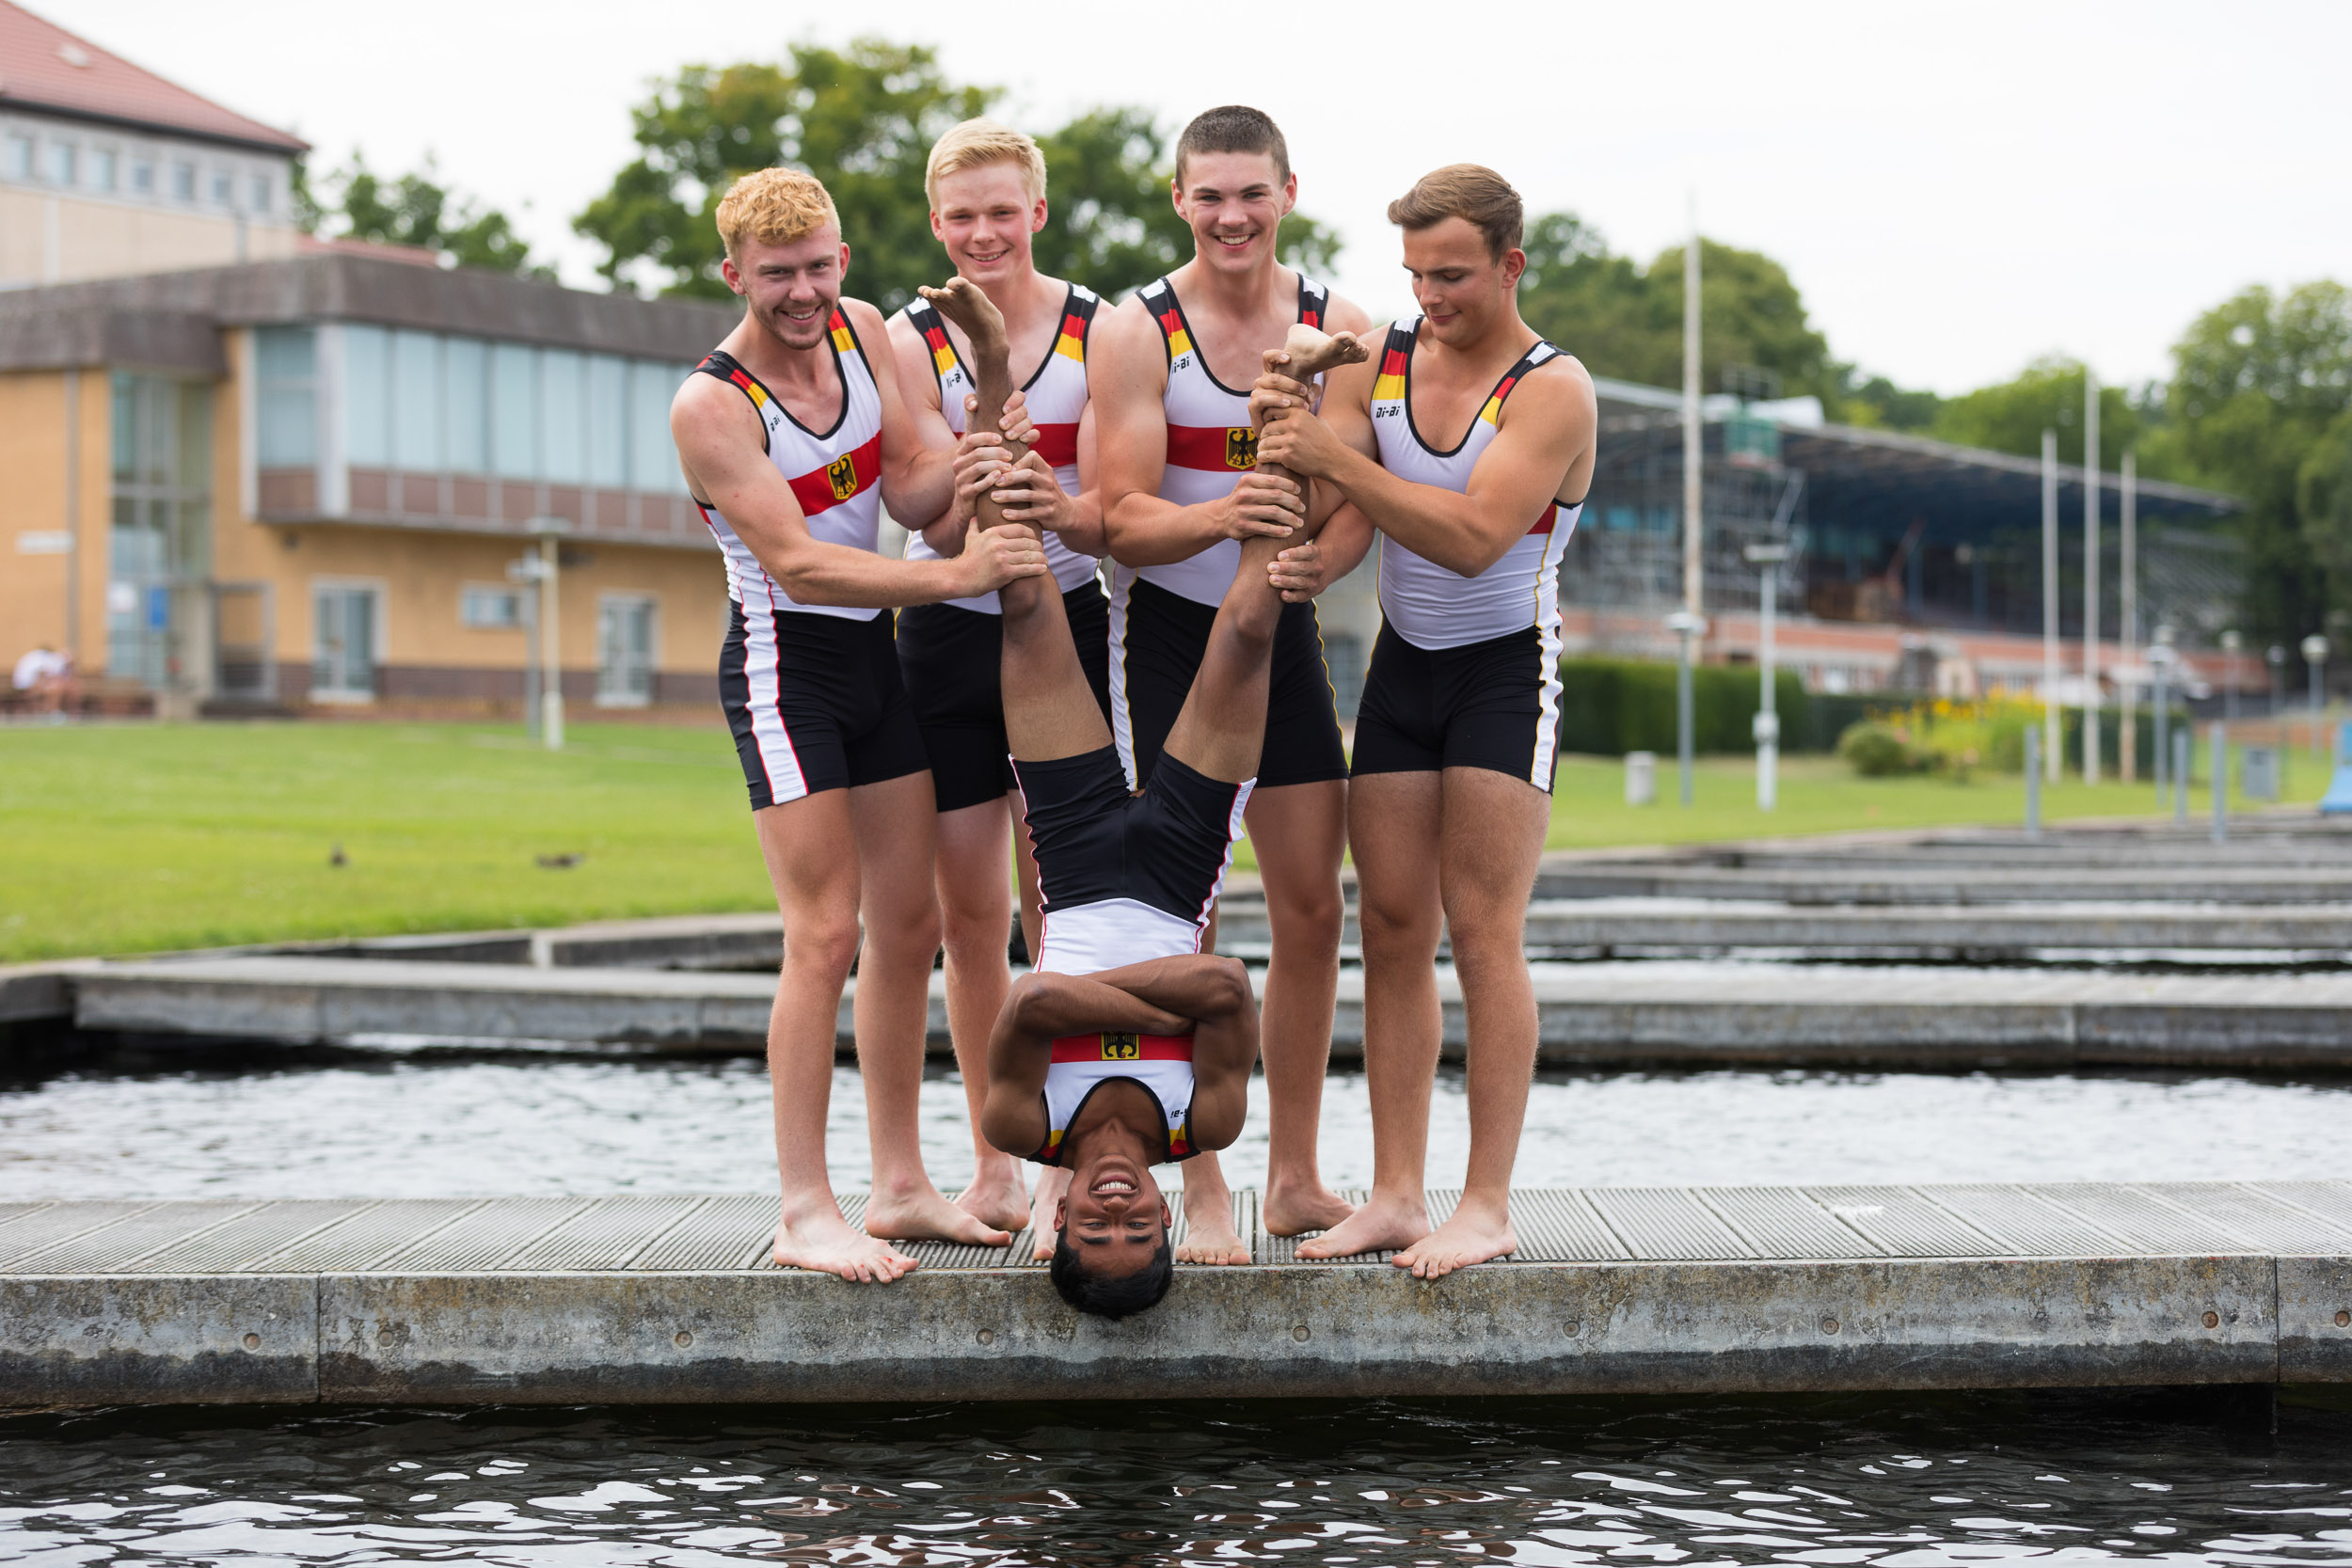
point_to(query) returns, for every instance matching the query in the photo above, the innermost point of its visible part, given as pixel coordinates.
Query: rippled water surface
(439, 1125)
(1931, 1480)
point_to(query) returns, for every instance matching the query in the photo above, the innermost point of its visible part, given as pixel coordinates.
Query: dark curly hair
(1111, 1295)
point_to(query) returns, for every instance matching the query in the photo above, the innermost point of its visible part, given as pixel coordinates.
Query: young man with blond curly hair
(793, 434)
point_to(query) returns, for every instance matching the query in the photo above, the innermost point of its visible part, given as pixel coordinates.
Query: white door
(343, 666)
(623, 651)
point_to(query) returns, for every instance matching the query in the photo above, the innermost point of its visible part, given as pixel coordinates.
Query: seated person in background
(1127, 1046)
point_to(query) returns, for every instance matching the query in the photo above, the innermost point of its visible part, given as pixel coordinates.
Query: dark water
(1904, 1483)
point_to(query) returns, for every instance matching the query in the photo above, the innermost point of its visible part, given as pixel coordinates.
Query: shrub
(1878, 750)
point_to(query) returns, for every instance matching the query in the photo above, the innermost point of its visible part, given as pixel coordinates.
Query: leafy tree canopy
(863, 120)
(417, 209)
(2010, 416)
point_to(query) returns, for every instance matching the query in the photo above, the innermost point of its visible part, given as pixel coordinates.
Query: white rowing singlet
(1057, 397)
(1211, 443)
(835, 475)
(1427, 605)
(1083, 1063)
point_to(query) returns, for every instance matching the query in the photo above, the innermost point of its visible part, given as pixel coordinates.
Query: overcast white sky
(1955, 188)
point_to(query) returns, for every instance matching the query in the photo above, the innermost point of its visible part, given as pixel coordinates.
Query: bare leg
(1052, 1185)
(1394, 822)
(893, 824)
(1209, 1233)
(1298, 831)
(962, 302)
(976, 910)
(1493, 838)
(813, 862)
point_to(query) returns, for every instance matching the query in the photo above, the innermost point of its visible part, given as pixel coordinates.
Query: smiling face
(1461, 287)
(793, 285)
(1234, 203)
(1113, 1216)
(985, 216)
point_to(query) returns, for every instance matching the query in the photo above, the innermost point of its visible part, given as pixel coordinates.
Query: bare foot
(962, 302)
(1209, 1233)
(1377, 1226)
(1476, 1232)
(926, 1216)
(1311, 352)
(1051, 1188)
(998, 1197)
(824, 1243)
(1294, 1209)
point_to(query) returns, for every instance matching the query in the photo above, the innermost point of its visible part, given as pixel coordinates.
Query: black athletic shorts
(1493, 705)
(816, 703)
(1167, 847)
(1157, 641)
(953, 664)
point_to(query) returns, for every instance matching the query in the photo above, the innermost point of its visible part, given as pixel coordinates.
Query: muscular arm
(1127, 379)
(1546, 434)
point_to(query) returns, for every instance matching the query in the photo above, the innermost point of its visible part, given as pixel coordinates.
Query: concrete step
(1613, 1289)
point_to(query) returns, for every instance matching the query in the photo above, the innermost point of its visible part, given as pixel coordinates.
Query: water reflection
(1903, 1482)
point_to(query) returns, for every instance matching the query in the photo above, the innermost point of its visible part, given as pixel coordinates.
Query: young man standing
(1181, 496)
(1468, 442)
(792, 435)
(987, 188)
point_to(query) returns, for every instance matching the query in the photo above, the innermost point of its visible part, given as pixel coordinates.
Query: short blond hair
(976, 143)
(775, 206)
(1472, 192)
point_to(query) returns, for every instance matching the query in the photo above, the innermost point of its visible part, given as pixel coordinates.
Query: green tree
(2011, 414)
(417, 209)
(1880, 405)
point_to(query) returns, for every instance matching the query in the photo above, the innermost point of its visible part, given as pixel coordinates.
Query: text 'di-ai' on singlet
(1083, 1063)
(1425, 603)
(835, 475)
(1211, 443)
(1057, 396)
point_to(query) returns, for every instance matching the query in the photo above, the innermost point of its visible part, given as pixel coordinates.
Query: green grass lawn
(132, 838)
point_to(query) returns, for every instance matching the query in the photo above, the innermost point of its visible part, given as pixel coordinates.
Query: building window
(143, 175)
(104, 162)
(608, 420)
(183, 181)
(624, 650)
(417, 402)
(466, 409)
(261, 194)
(20, 157)
(221, 188)
(346, 622)
(285, 364)
(64, 163)
(368, 396)
(159, 544)
(489, 608)
(513, 411)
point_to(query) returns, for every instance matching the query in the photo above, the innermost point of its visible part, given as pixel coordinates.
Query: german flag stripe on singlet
(821, 489)
(1396, 355)
(1113, 1046)
(1219, 449)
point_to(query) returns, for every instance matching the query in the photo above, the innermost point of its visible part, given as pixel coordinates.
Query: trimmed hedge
(1610, 707)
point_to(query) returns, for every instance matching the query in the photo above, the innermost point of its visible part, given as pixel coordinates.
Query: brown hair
(978, 143)
(775, 206)
(1234, 128)
(1472, 192)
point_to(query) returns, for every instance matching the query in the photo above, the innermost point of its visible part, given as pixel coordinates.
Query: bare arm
(718, 445)
(1040, 1009)
(1546, 435)
(1127, 378)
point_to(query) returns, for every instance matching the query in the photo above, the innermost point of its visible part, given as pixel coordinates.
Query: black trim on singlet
(919, 310)
(723, 366)
(1519, 368)
(1321, 295)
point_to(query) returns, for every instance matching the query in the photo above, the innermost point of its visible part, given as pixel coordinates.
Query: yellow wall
(95, 238)
(33, 500)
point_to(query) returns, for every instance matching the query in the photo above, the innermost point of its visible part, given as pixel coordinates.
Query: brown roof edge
(47, 69)
(465, 300)
(179, 341)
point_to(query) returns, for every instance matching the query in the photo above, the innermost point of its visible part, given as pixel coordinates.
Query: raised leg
(812, 859)
(892, 823)
(962, 302)
(1298, 831)
(1393, 823)
(1492, 840)
(974, 913)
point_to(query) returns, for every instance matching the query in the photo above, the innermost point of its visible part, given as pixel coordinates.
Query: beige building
(306, 482)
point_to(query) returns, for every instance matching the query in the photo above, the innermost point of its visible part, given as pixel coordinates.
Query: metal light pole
(2315, 652)
(524, 570)
(2127, 722)
(2091, 574)
(2052, 735)
(2231, 643)
(1693, 496)
(1767, 715)
(549, 530)
(2160, 659)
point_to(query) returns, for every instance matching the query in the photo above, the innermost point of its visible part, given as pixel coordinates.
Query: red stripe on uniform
(1058, 444)
(1311, 318)
(814, 489)
(1075, 327)
(1551, 515)
(1392, 363)
(1148, 1047)
(1195, 446)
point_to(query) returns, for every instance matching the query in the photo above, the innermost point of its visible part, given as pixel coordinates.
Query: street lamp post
(2231, 643)
(2316, 658)
(1690, 628)
(2160, 660)
(1769, 557)
(549, 530)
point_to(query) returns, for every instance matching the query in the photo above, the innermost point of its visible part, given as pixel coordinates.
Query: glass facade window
(105, 168)
(623, 651)
(367, 396)
(513, 411)
(258, 199)
(220, 190)
(417, 402)
(159, 544)
(64, 163)
(490, 608)
(19, 155)
(464, 363)
(343, 626)
(563, 417)
(183, 181)
(608, 420)
(143, 175)
(285, 368)
(652, 460)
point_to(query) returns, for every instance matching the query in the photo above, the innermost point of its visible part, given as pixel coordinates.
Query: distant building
(107, 169)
